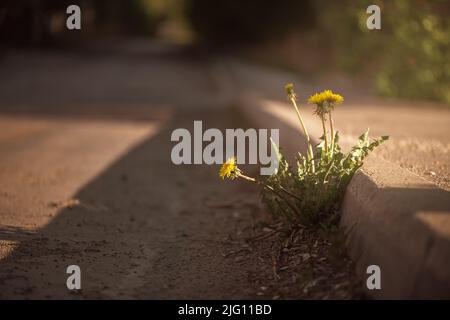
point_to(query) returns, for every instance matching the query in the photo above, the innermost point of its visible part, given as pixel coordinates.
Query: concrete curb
(394, 218)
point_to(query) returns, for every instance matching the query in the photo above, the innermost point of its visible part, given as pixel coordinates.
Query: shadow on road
(144, 228)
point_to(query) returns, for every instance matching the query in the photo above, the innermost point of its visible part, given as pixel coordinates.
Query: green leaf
(277, 150)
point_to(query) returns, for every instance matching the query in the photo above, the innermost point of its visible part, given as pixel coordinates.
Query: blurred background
(407, 58)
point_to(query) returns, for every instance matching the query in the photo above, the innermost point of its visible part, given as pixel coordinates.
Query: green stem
(293, 208)
(290, 193)
(327, 172)
(310, 150)
(325, 135)
(243, 176)
(332, 134)
(273, 190)
(262, 183)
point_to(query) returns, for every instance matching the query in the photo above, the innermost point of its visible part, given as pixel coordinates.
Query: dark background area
(407, 58)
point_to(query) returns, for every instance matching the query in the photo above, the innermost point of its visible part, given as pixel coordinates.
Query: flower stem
(332, 134)
(310, 150)
(285, 191)
(243, 176)
(289, 204)
(325, 135)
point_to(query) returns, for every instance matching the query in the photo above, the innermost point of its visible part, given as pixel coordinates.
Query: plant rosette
(310, 194)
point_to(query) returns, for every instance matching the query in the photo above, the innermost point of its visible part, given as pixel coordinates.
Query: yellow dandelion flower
(325, 101)
(326, 96)
(229, 169)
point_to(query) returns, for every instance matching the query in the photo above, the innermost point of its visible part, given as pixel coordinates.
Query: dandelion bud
(290, 91)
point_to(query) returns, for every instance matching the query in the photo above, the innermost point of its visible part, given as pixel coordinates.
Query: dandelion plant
(310, 193)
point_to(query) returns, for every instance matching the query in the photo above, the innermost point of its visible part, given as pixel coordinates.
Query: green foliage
(312, 197)
(417, 64)
(408, 57)
(311, 193)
